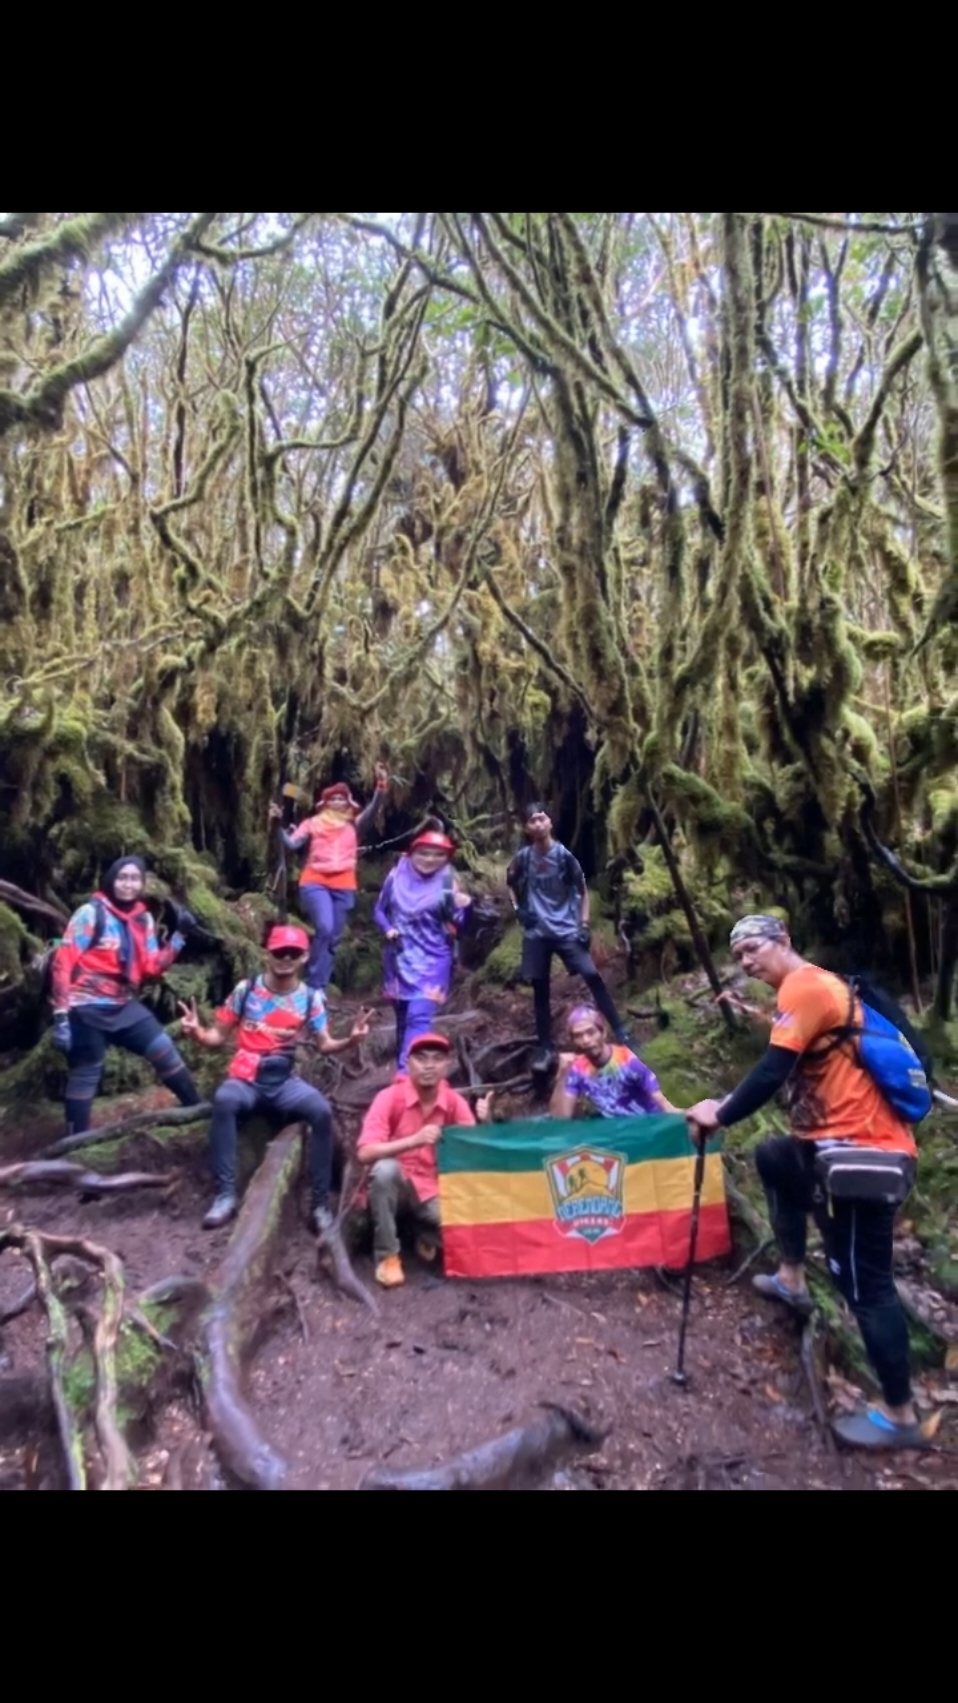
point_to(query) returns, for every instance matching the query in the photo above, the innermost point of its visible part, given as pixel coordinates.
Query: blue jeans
(413, 1017)
(294, 1100)
(327, 909)
(145, 1037)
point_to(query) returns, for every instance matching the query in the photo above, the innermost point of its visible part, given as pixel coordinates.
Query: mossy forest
(652, 517)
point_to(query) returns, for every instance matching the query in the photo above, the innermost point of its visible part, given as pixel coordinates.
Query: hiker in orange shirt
(328, 883)
(834, 1104)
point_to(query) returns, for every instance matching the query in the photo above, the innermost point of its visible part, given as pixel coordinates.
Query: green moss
(13, 942)
(504, 963)
(79, 1382)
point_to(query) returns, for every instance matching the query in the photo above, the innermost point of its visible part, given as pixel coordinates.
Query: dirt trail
(451, 1365)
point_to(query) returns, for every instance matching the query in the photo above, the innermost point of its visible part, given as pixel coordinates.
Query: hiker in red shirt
(328, 883)
(834, 1105)
(398, 1142)
(108, 951)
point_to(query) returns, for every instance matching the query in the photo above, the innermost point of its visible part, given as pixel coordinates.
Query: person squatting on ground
(108, 951)
(270, 1015)
(328, 882)
(833, 1101)
(551, 901)
(611, 1080)
(420, 910)
(398, 1143)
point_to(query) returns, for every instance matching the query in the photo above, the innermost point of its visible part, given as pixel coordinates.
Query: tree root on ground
(229, 1326)
(174, 1117)
(52, 1172)
(334, 1245)
(518, 1461)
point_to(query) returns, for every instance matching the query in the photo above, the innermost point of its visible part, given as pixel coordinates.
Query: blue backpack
(888, 1055)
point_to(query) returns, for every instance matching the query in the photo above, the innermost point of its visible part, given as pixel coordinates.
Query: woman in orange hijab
(328, 882)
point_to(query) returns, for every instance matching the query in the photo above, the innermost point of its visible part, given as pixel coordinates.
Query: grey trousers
(391, 1194)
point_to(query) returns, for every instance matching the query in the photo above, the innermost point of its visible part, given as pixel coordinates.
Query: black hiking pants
(858, 1247)
(537, 955)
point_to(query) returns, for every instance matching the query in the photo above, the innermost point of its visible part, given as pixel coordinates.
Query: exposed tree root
(54, 913)
(52, 1171)
(230, 1322)
(71, 1440)
(173, 1117)
(333, 1244)
(518, 1461)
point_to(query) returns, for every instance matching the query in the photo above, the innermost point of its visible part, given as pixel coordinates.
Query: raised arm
(372, 815)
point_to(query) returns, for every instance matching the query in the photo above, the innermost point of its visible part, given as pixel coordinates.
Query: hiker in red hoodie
(109, 949)
(328, 883)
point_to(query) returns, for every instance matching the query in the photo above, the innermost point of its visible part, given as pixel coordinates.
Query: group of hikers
(836, 1107)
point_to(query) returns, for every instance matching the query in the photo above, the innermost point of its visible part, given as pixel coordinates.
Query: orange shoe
(389, 1273)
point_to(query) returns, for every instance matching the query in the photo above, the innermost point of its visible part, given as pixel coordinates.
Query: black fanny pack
(274, 1070)
(849, 1171)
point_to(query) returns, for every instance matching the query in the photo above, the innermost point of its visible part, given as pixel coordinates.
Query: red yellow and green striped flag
(522, 1198)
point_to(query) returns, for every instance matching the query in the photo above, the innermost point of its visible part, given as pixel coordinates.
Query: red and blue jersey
(269, 1022)
(107, 954)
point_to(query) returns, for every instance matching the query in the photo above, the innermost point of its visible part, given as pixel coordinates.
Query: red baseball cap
(438, 1041)
(432, 841)
(283, 939)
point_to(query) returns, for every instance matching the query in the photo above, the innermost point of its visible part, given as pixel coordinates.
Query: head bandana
(759, 928)
(586, 1014)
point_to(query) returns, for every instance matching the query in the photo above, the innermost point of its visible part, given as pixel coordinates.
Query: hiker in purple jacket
(421, 910)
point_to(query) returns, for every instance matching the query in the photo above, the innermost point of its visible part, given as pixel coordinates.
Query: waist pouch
(871, 1174)
(273, 1071)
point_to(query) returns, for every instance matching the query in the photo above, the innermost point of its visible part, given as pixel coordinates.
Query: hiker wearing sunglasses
(551, 901)
(850, 1162)
(421, 910)
(108, 951)
(269, 1017)
(328, 883)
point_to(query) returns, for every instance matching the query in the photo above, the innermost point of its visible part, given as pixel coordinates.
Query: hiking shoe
(222, 1211)
(389, 1272)
(872, 1429)
(427, 1249)
(543, 1061)
(322, 1220)
(798, 1301)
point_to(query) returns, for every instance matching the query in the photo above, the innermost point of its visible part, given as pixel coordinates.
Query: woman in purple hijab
(420, 911)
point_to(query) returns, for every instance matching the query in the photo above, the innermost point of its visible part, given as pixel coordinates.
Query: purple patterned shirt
(622, 1088)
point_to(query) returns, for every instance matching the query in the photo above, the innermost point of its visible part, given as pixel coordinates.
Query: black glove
(182, 919)
(584, 935)
(62, 1033)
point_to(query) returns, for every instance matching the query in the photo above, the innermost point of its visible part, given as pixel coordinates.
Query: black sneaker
(222, 1211)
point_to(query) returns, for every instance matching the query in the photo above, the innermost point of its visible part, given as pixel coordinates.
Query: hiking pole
(679, 1376)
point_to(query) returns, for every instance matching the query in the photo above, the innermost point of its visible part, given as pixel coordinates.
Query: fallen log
(174, 1117)
(518, 1461)
(53, 1171)
(230, 1322)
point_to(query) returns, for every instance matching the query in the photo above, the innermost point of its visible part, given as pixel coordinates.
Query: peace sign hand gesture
(191, 1019)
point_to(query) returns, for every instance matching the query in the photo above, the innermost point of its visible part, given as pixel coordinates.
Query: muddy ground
(451, 1365)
